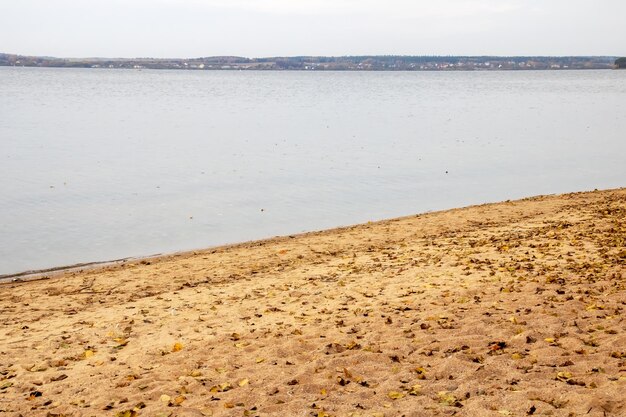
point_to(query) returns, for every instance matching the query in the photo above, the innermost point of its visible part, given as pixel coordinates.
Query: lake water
(106, 164)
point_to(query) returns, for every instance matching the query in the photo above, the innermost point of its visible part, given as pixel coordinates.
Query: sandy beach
(508, 309)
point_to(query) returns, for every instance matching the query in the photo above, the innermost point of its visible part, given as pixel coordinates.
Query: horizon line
(317, 56)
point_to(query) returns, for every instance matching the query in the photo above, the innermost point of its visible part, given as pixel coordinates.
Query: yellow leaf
(449, 399)
(563, 376)
(88, 353)
(127, 413)
(323, 391)
(552, 341)
(259, 360)
(244, 382)
(195, 373)
(415, 389)
(177, 347)
(394, 395)
(165, 398)
(179, 400)
(517, 356)
(223, 387)
(353, 345)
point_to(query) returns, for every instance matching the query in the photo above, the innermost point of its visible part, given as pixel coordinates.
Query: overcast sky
(256, 28)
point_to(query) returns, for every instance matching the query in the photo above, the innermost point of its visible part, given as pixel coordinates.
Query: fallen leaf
(415, 389)
(353, 345)
(121, 340)
(334, 348)
(448, 399)
(126, 413)
(551, 341)
(177, 347)
(139, 406)
(34, 395)
(421, 372)
(563, 376)
(394, 395)
(497, 346)
(223, 387)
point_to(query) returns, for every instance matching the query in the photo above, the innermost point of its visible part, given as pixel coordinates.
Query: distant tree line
(329, 63)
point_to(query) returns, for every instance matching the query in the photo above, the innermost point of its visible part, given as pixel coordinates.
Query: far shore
(506, 309)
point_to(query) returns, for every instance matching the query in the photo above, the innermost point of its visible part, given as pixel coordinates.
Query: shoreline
(51, 272)
(512, 308)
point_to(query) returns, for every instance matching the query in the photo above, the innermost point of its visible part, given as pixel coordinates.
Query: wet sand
(513, 309)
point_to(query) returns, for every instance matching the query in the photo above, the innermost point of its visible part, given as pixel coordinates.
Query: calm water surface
(106, 164)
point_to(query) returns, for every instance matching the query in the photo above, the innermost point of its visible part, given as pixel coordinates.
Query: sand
(508, 309)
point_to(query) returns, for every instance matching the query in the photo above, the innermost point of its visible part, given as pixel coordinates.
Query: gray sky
(256, 28)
